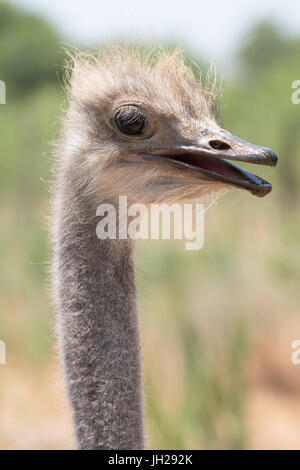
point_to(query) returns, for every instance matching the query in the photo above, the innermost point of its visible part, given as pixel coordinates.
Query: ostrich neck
(98, 329)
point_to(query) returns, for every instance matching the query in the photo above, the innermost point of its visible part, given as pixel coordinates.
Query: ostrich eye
(130, 121)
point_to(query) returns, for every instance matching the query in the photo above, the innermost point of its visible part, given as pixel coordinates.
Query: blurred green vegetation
(29, 53)
(201, 311)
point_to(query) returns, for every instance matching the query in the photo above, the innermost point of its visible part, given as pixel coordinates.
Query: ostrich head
(145, 128)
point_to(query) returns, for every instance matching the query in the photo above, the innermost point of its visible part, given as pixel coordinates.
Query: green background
(217, 324)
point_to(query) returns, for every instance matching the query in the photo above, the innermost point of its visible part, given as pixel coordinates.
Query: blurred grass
(204, 314)
(28, 126)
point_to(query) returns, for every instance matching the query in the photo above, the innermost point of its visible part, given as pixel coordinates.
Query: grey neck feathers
(98, 327)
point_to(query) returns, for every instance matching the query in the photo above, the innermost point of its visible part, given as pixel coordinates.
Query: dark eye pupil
(130, 121)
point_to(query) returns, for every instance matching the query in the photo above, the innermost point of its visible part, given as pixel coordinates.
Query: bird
(141, 124)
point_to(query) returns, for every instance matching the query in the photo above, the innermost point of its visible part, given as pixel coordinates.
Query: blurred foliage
(200, 325)
(265, 46)
(29, 53)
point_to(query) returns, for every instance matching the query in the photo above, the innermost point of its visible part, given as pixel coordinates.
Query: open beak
(210, 155)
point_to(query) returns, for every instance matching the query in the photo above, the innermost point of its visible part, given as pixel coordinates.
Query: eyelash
(123, 120)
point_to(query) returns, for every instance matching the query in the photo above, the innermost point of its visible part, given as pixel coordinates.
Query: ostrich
(142, 126)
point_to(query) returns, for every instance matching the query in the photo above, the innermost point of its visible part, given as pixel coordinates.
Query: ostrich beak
(209, 155)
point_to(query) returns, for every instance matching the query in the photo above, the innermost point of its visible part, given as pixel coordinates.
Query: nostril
(219, 145)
